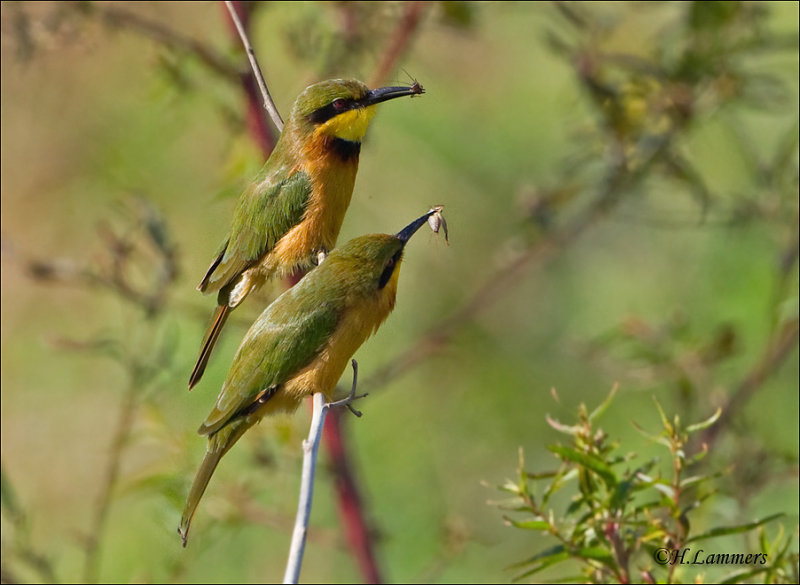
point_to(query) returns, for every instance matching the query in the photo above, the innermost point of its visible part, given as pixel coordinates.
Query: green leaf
(725, 530)
(655, 438)
(523, 478)
(540, 556)
(544, 563)
(664, 420)
(528, 524)
(510, 487)
(562, 476)
(665, 488)
(622, 494)
(706, 423)
(742, 576)
(596, 553)
(588, 461)
(542, 474)
(698, 479)
(562, 428)
(699, 456)
(605, 404)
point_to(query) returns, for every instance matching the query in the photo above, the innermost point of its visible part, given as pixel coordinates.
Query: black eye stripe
(325, 113)
(389, 269)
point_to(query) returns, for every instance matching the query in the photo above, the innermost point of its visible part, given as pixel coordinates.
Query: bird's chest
(356, 325)
(332, 184)
(333, 180)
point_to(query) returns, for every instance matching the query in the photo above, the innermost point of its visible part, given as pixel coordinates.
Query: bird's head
(370, 265)
(343, 108)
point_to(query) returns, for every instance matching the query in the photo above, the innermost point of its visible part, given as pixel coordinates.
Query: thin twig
(115, 16)
(269, 105)
(20, 543)
(501, 281)
(310, 451)
(777, 350)
(122, 432)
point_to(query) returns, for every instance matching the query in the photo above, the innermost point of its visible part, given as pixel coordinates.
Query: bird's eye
(340, 104)
(388, 269)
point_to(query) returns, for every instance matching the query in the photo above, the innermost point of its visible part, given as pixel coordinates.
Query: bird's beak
(405, 234)
(382, 94)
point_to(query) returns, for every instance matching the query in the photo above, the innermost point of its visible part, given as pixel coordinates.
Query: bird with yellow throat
(302, 343)
(293, 210)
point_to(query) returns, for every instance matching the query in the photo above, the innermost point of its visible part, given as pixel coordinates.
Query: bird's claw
(350, 398)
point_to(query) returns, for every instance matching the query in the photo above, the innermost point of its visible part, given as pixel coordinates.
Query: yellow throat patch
(350, 125)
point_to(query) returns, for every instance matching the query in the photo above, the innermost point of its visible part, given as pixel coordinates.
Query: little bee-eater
(294, 209)
(302, 343)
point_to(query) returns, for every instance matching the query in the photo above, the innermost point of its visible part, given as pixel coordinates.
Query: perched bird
(294, 209)
(302, 342)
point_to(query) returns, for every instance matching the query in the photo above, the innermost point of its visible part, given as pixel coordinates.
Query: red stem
(399, 42)
(350, 504)
(351, 507)
(347, 493)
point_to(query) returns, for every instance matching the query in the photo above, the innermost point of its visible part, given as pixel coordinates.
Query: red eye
(339, 104)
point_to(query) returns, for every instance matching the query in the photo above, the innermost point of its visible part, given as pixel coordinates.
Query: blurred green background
(668, 133)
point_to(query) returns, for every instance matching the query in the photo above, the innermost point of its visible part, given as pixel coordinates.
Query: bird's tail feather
(209, 341)
(218, 444)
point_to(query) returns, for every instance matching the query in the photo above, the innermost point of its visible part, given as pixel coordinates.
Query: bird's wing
(281, 342)
(264, 214)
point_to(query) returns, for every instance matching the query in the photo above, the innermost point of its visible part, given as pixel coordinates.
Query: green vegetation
(633, 526)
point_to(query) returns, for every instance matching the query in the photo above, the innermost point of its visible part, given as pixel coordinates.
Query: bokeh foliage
(621, 187)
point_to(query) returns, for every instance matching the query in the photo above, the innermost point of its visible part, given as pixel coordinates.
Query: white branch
(269, 105)
(310, 451)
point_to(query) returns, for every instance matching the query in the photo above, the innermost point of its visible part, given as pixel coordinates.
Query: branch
(777, 350)
(500, 282)
(310, 450)
(122, 432)
(164, 35)
(349, 501)
(399, 43)
(269, 105)
(348, 498)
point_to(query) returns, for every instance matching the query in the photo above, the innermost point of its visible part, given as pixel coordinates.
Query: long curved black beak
(405, 234)
(382, 94)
